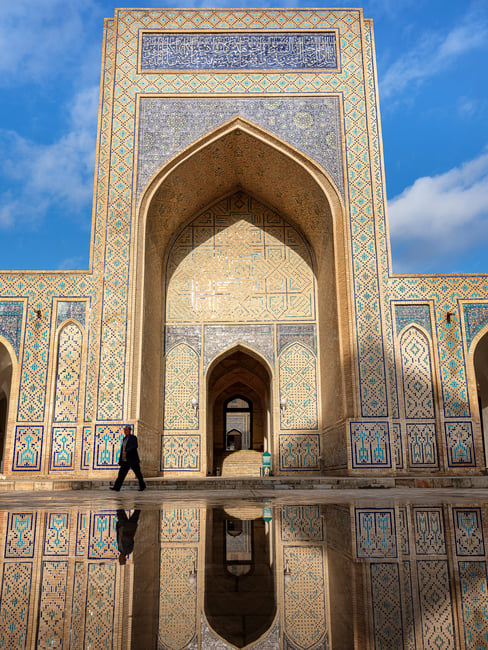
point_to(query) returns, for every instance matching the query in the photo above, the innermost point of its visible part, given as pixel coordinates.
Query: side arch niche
(286, 223)
(6, 368)
(480, 363)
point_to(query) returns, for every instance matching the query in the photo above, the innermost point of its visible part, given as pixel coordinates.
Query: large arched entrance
(480, 362)
(5, 386)
(201, 295)
(239, 414)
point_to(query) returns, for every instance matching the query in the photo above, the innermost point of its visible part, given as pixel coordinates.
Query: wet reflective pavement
(350, 569)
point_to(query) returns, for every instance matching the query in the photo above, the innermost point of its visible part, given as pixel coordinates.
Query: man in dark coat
(129, 459)
(126, 529)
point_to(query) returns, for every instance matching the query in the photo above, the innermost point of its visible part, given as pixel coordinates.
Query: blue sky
(433, 81)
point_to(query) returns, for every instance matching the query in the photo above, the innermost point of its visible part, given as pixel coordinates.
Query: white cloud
(433, 53)
(442, 214)
(54, 176)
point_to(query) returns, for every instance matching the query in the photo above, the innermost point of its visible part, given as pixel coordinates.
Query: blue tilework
(375, 533)
(460, 444)
(370, 444)
(217, 52)
(168, 125)
(11, 314)
(476, 318)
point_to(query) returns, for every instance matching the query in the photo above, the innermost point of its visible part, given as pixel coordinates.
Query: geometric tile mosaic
(108, 441)
(68, 374)
(429, 531)
(221, 337)
(416, 374)
(52, 604)
(20, 538)
(299, 451)
(397, 444)
(298, 386)
(177, 615)
(27, 448)
(68, 310)
(435, 604)
(56, 536)
(370, 444)
(77, 631)
(386, 605)
(180, 452)
(305, 621)
(103, 536)
(375, 533)
(180, 525)
(14, 604)
(474, 598)
(460, 444)
(82, 531)
(86, 448)
(301, 524)
(181, 378)
(63, 444)
(422, 445)
(468, 531)
(100, 604)
(475, 317)
(239, 261)
(11, 314)
(305, 333)
(412, 315)
(168, 124)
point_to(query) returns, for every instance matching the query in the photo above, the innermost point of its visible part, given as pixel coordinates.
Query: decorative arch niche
(6, 368)
(240, 157)
(480, 363)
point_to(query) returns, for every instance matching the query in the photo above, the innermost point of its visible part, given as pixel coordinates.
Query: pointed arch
(240, 157)
(8, 383)
(417, 375)
(68, 372)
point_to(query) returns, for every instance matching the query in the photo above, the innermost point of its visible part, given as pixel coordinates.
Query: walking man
(129, 459)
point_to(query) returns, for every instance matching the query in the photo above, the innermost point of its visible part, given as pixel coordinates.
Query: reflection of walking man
(126, 529)
(129, 459)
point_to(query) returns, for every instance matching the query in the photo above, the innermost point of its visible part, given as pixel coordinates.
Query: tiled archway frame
(364, 174)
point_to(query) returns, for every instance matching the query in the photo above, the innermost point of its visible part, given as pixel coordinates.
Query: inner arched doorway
(5, 385)
(480, 361)
(239, 414)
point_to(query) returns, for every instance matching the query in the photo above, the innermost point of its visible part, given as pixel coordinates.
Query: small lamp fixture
(194, 404)
(449, 315)
(38, 313)
(283, 403)
(287, 573)
(192, 576)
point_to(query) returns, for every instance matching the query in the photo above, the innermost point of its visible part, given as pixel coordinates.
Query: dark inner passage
(239, 586)
(239, 403)
(5, 381)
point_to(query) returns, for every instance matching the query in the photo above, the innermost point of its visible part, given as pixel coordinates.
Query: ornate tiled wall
(415, 406)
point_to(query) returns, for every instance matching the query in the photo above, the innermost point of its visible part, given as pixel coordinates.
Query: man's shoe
(112, 487)
(142, 488)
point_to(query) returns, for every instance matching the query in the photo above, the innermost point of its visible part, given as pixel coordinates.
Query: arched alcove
(237, 158)
(236, 377)
(240, 601)
(480, 362)
(5, 386)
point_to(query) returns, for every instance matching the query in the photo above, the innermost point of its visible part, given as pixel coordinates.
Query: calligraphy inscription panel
(238, 51)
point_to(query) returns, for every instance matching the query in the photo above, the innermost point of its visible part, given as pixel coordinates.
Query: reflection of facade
(240, 250)
(335, 576)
